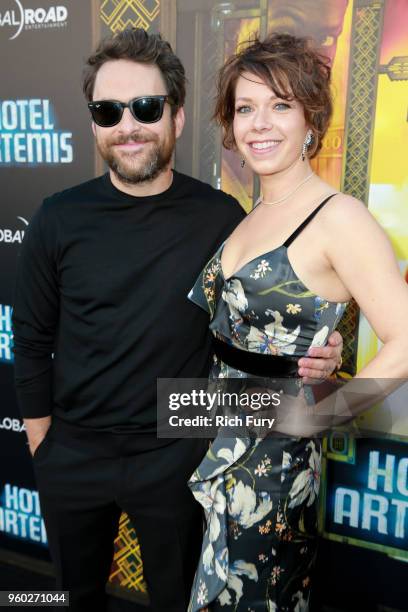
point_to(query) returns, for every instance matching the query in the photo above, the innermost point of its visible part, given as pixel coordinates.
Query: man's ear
(179, 120)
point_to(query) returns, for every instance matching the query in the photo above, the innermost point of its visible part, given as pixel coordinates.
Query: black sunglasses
(146, 109)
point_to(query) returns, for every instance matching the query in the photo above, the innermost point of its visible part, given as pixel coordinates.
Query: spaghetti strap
(302, 226)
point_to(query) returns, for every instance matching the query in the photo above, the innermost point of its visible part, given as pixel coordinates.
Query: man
(102, 283)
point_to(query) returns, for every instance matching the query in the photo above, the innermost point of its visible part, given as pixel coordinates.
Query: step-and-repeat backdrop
(46, 145)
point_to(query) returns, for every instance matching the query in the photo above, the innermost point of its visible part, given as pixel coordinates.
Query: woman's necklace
(286, 197)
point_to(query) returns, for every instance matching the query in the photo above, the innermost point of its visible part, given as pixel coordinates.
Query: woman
(276, 287)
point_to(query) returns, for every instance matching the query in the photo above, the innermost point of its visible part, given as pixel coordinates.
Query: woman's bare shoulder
(347, 224)
(345, 210)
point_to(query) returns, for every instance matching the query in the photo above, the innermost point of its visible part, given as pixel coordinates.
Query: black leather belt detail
(257, 364)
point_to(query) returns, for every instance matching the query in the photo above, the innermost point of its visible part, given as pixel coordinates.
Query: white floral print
(274, 339)
(261, 269)
(302, 605)
(286, 462)
(243, 506)
(234, 296)
(320, 337)
(307, 483)
(238, 568)
(202, 594)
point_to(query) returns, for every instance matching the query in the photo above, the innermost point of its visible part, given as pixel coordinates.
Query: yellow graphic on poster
(388, 195)
(127, 568)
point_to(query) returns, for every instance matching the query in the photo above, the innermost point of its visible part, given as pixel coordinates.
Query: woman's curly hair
(292, 67)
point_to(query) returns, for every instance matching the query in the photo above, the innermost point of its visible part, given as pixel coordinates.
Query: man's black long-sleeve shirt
(102, 284)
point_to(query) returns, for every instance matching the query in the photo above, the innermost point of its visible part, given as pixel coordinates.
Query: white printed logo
(10, 424)
(10, 236)
(33, 19)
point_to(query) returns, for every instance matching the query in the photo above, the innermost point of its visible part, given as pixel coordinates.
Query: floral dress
(260, 495)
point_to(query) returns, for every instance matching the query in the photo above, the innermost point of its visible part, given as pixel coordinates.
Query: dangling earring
(308, 141)
(242, 163)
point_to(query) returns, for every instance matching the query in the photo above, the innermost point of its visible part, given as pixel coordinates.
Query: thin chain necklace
(286, 197)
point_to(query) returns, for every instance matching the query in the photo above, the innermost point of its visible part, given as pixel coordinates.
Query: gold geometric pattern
(127, 568)
(118, 14)
(363, 88)
(366, 38)
(348, 328)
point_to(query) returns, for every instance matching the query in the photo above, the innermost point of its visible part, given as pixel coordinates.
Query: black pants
(85, 479)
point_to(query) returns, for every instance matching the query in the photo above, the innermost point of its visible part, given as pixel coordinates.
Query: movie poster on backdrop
(46, 141)
(46, 145)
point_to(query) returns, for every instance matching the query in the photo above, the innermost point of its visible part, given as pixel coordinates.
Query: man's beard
(148, 165)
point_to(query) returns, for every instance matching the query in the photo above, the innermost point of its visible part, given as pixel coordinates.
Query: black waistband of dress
(257, 364)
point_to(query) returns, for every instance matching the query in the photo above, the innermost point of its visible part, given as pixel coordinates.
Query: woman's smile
(262, 147)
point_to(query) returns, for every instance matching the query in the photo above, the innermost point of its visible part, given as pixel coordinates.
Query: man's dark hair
(136, 45)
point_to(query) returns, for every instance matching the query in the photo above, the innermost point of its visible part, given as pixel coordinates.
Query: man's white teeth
(264, 145)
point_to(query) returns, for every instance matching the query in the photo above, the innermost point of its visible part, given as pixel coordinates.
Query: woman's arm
(359, 251)
(363, 258)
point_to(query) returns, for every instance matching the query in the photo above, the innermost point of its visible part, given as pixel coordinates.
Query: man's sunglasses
(146, 109)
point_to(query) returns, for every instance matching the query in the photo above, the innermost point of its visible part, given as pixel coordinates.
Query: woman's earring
(308, 141)
(242, 163)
